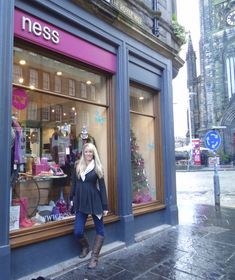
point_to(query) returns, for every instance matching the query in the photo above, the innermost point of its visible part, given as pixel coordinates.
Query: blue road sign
(212, 140)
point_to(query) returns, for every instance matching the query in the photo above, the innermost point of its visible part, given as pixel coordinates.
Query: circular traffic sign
(212, 140)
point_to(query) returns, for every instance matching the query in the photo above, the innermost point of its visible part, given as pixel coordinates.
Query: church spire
(191, 65)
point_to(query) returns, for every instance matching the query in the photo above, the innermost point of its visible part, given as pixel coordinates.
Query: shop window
(46, 81)
(57, 112)
(47, 135)
(17, 74)
(93, 95)
(32, 111)
(83, 90)
(146, 183)
(72, 87)
(58, 84)
(45, 113)
(33, 78)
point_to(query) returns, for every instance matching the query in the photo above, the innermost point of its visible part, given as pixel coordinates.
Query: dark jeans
(80, 221)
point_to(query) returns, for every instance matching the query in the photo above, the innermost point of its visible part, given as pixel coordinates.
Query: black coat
(89, 196)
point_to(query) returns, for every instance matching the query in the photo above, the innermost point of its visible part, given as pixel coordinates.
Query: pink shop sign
(34, 30)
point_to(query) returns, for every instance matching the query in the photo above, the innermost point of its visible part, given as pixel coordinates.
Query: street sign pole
(216, 183)
(212, 142)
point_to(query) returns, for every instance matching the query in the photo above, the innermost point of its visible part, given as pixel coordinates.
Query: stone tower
(216, 84)
(192, 85)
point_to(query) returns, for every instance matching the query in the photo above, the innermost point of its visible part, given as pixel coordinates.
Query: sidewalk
(202, 246)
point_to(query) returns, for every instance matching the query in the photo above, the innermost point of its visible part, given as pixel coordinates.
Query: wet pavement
(198, 187)
(202, 246)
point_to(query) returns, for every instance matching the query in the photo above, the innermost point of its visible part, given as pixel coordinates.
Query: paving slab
(200, 248)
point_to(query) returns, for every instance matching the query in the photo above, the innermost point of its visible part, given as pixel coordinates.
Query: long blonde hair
(81, 166)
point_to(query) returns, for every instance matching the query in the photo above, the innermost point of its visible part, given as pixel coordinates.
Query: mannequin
(83, 138)
(18, 144)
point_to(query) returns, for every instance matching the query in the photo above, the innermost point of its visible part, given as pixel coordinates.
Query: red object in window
(196, 152)
(19, 99)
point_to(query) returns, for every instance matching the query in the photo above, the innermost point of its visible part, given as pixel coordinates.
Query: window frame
(158, 204)
(26, 236)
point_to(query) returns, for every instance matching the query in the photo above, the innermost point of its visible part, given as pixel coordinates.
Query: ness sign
(40, 30)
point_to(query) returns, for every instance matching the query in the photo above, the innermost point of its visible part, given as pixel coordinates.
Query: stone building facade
(104, 67)
(214, 104)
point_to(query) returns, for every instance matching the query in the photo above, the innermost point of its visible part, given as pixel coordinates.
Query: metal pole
(6, 54)
(216, 183)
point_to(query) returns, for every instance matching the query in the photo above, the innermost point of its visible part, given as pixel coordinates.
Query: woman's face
(88, 154)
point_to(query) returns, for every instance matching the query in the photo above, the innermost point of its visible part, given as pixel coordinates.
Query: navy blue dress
(89, 196)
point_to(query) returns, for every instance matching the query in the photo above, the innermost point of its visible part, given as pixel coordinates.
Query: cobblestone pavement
(201, 249)
(202, 246)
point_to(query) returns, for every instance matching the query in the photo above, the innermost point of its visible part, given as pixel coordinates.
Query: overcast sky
(188, 16)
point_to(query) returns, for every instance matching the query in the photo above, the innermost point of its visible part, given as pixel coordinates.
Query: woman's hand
(105, 212)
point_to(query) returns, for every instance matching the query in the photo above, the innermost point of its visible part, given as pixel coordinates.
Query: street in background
(197, 188)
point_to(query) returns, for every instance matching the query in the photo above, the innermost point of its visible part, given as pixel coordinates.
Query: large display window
(56, 108)
(145, 146)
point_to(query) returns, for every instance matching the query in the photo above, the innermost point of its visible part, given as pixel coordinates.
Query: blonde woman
(89, 197)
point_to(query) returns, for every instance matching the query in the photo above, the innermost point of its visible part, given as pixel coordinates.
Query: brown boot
(99, 240)
(84, 247)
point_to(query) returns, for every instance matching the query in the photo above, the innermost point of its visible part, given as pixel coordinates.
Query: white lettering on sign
(38, 30)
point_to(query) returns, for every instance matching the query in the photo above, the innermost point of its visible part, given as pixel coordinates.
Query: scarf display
(89, 167)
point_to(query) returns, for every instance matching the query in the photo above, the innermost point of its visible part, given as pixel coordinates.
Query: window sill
(147, 208)
(26, 236)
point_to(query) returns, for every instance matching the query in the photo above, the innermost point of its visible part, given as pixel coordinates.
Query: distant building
(214, 102)
(180, 142)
